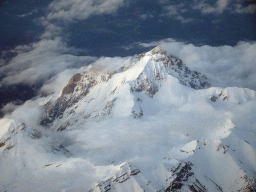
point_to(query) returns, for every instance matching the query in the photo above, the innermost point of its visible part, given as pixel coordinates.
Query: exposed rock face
(184, 179)
(79, 86)
(126, 172)
(175, 67)
(72, 84)
(187, 77)
(8, 141)
(157, 70)
(249, 184)
(149, 79)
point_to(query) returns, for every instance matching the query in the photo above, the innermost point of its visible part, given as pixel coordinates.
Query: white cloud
(225, 5)
(59, 81)
(51, 30)
(8, 108)
(206, 8)
(184, 20)
(29, 113)
(225, 66)
(112, 64)
(40, 61)
(250, 9)
(172, 9)
(34, 11)
(70, 10)
(222, 4)
(175, 11)
(146, 16)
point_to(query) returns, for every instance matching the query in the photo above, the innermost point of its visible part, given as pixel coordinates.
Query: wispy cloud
(34, 11)
(70, 10)
(40, 61)
(224, 5)
(146, 16)
(176, 12)
(173, 9)
(217, 8)
(250, 9)
(184, 20)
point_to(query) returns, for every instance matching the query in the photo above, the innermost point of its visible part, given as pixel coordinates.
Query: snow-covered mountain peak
(150, 124)
(157, 50)
(145, 74)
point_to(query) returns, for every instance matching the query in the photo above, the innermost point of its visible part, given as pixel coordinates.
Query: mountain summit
(150, 124)
(146, 74)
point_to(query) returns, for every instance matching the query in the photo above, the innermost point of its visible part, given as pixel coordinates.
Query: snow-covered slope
(150, 125)
(146, 74)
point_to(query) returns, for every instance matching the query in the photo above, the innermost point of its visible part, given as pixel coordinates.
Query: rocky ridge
(148, 80)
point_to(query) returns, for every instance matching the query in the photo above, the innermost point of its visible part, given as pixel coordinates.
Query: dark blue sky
(136, 21)
(18, 26)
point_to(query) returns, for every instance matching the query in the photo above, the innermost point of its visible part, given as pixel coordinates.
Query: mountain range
(151, 124)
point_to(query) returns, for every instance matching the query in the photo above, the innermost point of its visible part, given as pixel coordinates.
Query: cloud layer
(38, 62)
